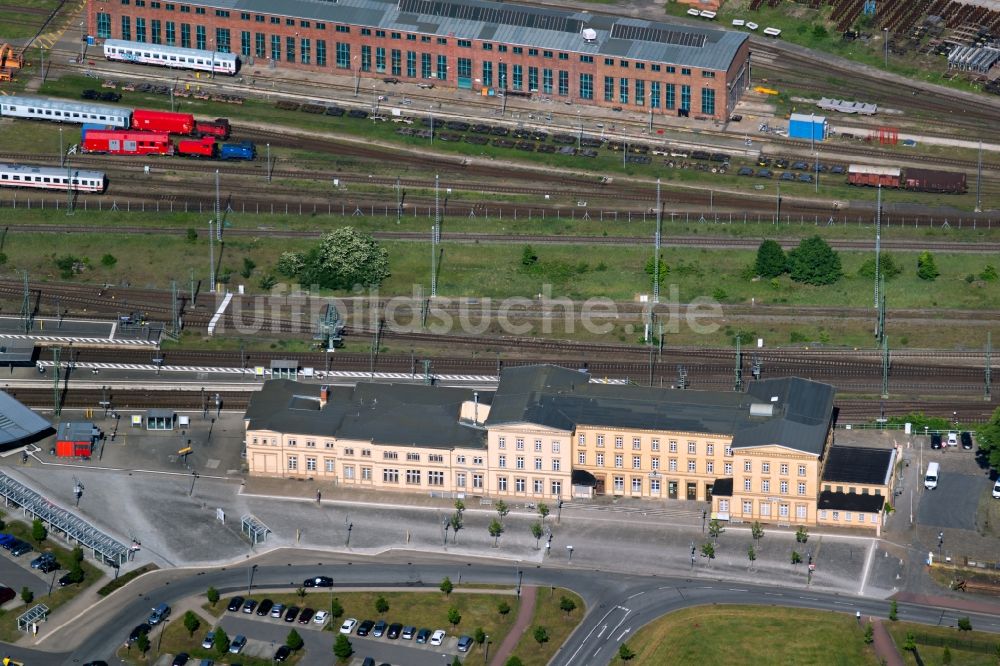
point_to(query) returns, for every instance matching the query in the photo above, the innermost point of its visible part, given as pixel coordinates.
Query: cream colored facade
(771, 484)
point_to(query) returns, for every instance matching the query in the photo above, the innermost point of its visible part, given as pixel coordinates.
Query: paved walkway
(885, 647)
(524, 615)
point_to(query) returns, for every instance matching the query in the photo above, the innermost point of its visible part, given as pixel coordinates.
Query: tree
(715, 528)
(964, 624)
(814, 262)
(514, 661)
(192, 235)
(625, 653)
(77, 554)
(650, 268)
(300, 592)
(893, 610)
(38, 531)
(887, 267)
(502, 509)
(191, 622)
(796, 557)
(454, 617)
(771, 260)
(528, 257)
(946, 655)
(869, 634)
(479, 636)
(289, 264)
(294, 641)
(336, 609)
(536, 531)
(543, 511)
(108, 260)
(343, 258)
(76, 573)
(456, 661)
(567, 605)
(221, 642)
(926, 268)
(27, 596)
(911, 642)
(142, 643)
(248, 266)
(496, 529)
(381, 605)
(988, 436)
(708, 551)
(757, 532)
(459, 506)
(541, 635)
(213, 595)
(801, 534)
(751, 555)
(342, 647)
(819, 32)
(456, 524)
(503, 608)
(446, 585)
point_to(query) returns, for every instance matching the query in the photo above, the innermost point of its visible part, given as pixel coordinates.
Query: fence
(967, 644)
(103, 204)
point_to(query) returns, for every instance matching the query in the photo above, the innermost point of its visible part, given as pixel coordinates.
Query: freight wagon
(171, 56)
(914, 180)
(119, 142)
(52, 178)
(162, 121)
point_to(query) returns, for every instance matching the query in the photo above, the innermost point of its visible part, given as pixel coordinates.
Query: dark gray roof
(393, 414)
(75, 431)
(855, 464)
(13, 350)
(722, 488)
(17, 422)
(850, 502)
(558, 29)
(799, 417)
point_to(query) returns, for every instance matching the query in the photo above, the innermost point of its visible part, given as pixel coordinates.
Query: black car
(357, 113)
(19, 548)
(110, 96)
(235, 604)
(265, 607)
(335, 111)
(291, 613)
(306, 615)
(282, 653)
(394, 630)
(966, 440)
(67, 579)
(318, 581)
(96, 663)
(42, 559)
(139, 630)
(935, 441)
(365, 628)
(180, 659)
(90, 94)
(48, 566)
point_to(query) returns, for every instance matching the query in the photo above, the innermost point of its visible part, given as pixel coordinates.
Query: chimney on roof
(589, 35)
(324, 395)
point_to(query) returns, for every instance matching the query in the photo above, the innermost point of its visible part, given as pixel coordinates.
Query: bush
(192, 235)
(267, 282)
(3, 258)
(191, 622)
(108, 260)
(887, 266)
(381, 605)
(454, 617)
(213, 595)
(541, 635)
(446, 585)
(814, 262)
(528, 257)
(503, 608)
(69, 265)
(342, 647)
(248, 266)
(926, 268)
(771, 261)
(650, 268)
(989, 273)
(294, 641)
(964, 624)
(27, 596)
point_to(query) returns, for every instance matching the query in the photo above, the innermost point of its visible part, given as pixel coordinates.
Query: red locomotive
(204, 147)
(219, 128)
(126, 142)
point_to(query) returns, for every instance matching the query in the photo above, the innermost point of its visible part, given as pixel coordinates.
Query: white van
(931, 479)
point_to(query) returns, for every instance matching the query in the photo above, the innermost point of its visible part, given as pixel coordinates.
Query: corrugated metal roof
(17, 422)
(517, 24)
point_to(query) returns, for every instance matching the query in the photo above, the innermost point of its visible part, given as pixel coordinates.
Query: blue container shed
(811, 127)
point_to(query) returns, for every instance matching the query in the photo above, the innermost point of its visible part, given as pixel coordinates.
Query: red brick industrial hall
(482, 47)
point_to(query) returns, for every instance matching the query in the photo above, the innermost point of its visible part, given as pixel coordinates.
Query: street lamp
(886, 47)
(486, 655)
(569, 549)
(447, 524)
(194, 477)
(357, 77)
(520, 577)
(350, 526)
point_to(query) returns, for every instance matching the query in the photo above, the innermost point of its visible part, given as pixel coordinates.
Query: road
(618, 604)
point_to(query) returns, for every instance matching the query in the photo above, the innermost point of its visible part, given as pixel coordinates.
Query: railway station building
(471, 46)
(549, 433)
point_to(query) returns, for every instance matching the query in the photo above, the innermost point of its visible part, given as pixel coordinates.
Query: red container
(162, 121)
(219, 128)
(204, 147)
(125, 142)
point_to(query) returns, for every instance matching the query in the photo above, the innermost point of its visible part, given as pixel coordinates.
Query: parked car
(952, 439)
(49, 566)
(69, 579)
(6, 540)
(249, 605)
(265, 607)
(348, 625)
(935, 441)
(239, 642)
(464, 643)
(160, 613)
(306, 615)
(368, 662)
(19, 548)
(6, 594)
(423, 635)
(394, 630)
(209, 640)
(320, 617)
(408, 633)
(235, 604)
(278, 610)
(966, 440)
(282, 653)
(379, 629)
(318, 581)
(42, 559)
(139, 630)
(180, 659)
(996, 490)
(438, 637)
(291, 613)
(365, 628)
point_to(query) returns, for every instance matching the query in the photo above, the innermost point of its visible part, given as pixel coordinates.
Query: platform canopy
(17, 422)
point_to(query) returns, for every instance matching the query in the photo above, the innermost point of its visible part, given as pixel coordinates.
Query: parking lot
(961, 486)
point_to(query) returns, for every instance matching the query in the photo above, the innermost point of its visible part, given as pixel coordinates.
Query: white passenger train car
(171, 56)
(52, 178)
(64, 111)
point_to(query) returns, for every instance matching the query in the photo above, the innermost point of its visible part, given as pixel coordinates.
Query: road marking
(842, 603)
(623, 634)
(868, 568)
(736, 589)
(622, 621)
(809, 598)
(637, 594)
(601, 632)
(572, 658)
(773, 594)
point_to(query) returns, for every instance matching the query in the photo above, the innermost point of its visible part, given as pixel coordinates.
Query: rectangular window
(802, 470)
(321, 52)
(555, 446)
(600, 441)
(330, 465)
(619, 485)
(343, 55)
(747, 466)
(411, 64)
(155, 32)
(442, 68)
(547, 81)
(671, 93)
(728, 469)
(654, 486)
(723, 506)
(692, 465)
(708, 101)
(380, 59)
(477, 481)
(586, 58)
(747, 485)
(520, 485)
(502, 74)
(435, 478)
(692, 448)
(600, 460)
(310, 464)
(519, 462)
(581, 440)
(343, 28)
(619, 461)
(185, 36)
(655, 444)
(460, 479)
(366, 58)
(640, 100)
(547, 54)
(532, 79)
(609, 88)
(581, 458)
(710, 449)
(487, 74)
(518, 80)
(783, 469)
(260, 45)
(556, 488)
(672, 465)
(290, 49)
(685, 71)
(502, 484)
(765, 468)
(276, 48)
(502, 443)
(619, 442)
(747, 508)
(412, 457)
(556, 464)
(245, 43)
(397, 62)
(636, 462)
(171, 33)
(465, 68)
(293, 463)
(672, 446)
(800, 512)
(728, 451)
(636, 484)
(710, 467)
(765, 486)
(538, 464)
(765, 509)
(686, 97)
(222, 43)
(538, 486)
(783, 487)
(502, 462)
(425, 65)
(413, 477)
(200, 38)
(783, 510)
(636, 443)
(802, 489)
(390, 475)
(140, 29)
(655, 463)
(103, 25)
(708, 75)
(305, 51)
